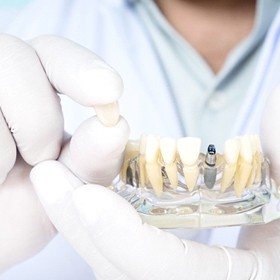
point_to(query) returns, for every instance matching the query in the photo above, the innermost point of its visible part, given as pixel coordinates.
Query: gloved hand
(31, 130)
(109, 234)
(265, 240)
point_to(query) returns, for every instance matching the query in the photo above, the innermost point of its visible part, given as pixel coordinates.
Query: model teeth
(142, 160)
(231, 150)
(153, 158)
(189, 150)
(257, 159)
(231, 153)
(168, 149)
(153, 166)
(244, 165)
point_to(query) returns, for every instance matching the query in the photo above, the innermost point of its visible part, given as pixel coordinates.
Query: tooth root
(258, 175)
(241, 177)
(244, 167)
(231, 153)
(108, 114)
(255, 150)
(171, 171)
(153, 167)
(142, 161)
(191, 175)
(252, 176)
(155, 177)
(142, 167)
(228, 175)
(257, 159)
(168, 148)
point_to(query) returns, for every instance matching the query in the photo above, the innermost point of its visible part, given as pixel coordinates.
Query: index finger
(81, 75)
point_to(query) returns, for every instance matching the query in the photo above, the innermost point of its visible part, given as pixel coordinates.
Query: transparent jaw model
(173, 185)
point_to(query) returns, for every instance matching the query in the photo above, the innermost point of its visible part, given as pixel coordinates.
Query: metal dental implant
(210, 170)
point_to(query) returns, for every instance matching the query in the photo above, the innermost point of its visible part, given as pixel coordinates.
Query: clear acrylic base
(202, 207)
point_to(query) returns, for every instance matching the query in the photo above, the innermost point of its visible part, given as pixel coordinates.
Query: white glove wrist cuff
(239, 260)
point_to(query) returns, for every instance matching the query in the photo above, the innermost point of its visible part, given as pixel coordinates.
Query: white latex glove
(31, 124)
(108, 233)
(265, 240)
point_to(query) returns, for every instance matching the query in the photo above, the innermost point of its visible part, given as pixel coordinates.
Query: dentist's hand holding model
(108, 233)
(103, 228)
(31, 131)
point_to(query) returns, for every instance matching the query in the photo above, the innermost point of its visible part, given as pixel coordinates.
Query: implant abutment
(210, 170)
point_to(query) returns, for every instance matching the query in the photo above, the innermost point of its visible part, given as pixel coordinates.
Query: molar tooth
(244, 166)
(189, 150)
(231, 153)
(153, 167)
(169, 153)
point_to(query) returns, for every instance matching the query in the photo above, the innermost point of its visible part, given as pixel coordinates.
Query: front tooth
(189, 150)
(246, 149)
(169, 153)
(168, 150)
(108, 114)
(231, 150)
(231, 153)
(244, 165)
(153, 167)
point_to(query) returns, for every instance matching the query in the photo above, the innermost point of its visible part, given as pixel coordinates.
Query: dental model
(172, 184)
(189, 150)
(156, 159)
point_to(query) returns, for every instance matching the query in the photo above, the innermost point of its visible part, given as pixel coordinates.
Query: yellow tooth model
(244, 165)
(153, 166)
(231, 153)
